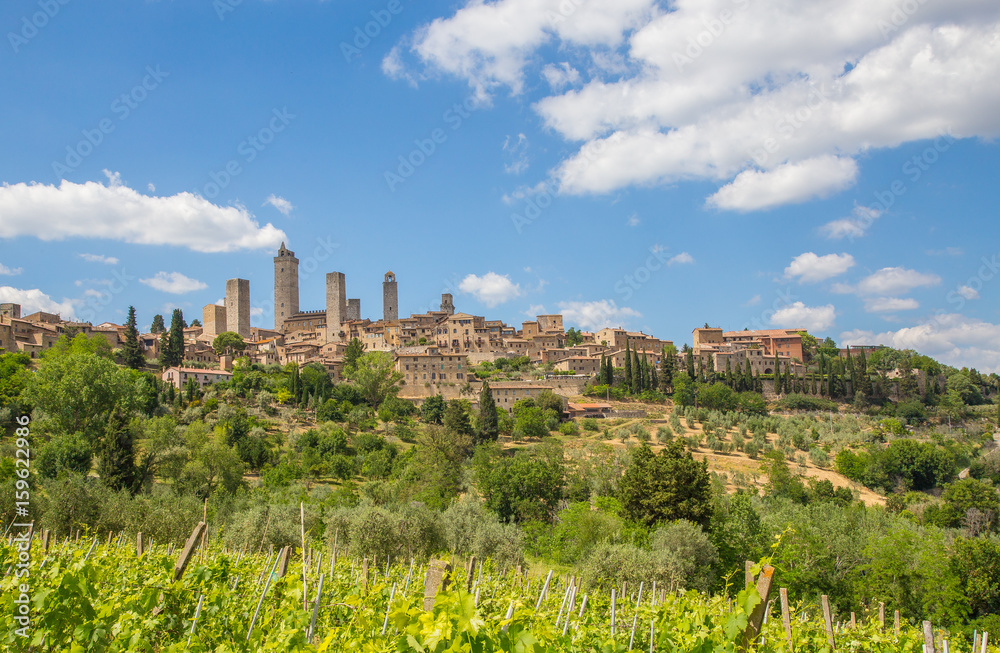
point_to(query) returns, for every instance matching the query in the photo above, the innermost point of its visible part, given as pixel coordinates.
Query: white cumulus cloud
(951, 338)
(35, 300)
(284, 206)
(747, 94)
(117, 212)
(491, 289)
(597, 314)
(896, 281)
(811, 318)
(9, 272)
(174, 283)
(811, 268)
(890, 304)
(791, 183)
(853, 227)
(99, 258)
(681, 259)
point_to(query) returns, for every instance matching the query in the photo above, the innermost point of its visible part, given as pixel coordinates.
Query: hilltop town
(434, 351)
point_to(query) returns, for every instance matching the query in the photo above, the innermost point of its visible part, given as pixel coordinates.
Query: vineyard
(92, 594)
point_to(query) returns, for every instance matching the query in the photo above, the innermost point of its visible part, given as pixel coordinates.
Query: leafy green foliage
(667, 486)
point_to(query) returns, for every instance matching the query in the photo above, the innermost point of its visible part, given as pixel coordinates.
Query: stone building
(353, 310)
(336, 305)
(238, 306)
(213, 320)
(286, 286)
(390, 298)
(447, 304)
(432, 366)
(178, 376)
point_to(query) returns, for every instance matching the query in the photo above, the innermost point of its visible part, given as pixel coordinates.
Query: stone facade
(353, 310)
(390, 298)
(336, 305)
(431, 366)
(10, 310)
(447, 304)
(178, 376)
(213, 320)
(286, 286)
(238, 306)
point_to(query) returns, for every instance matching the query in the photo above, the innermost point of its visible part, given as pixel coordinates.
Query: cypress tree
(157, 326)
(689, 360)
(822, 384)
(748, 377)
(164, 347)
(654, 381)
(488, 424)
(788, 377)
(116, 460)
(132, 352)
(175, 342)
(610, 373)
(602, 373)
(729, 372)
(628, 367)
(636, 373)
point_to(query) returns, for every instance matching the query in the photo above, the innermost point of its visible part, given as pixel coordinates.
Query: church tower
(390, 298)
(286, 286)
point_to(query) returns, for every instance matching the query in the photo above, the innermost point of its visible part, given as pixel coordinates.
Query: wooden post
(471, 575)
(108, 545)
(881, 615)
(895, 625)
(986, 639)
(749, 574)
(828, 619)
(262, 537)
(929, 638)
(192, 541)
(756, 617)
(138, 544)
(437, 579)
(204, 533)
(284, 558)
(854, 623)
(786, 617)
(975, 641)
(364, 574)
(45, 540)
(302, 525)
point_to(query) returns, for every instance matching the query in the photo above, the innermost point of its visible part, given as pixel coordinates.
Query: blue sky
(649, 164)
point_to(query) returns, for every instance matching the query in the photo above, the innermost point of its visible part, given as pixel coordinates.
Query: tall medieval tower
(390, 298)
(286, 286)
(238, 306)
(447, 304)
(336, 305)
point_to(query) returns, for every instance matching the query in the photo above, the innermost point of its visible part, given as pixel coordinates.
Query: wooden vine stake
(437, 579)
(471, 575)
(828, 618)
(192, 541)
(929, 637)
(284, 558)
(756, 617)
(138, 544)
(302, 525)
(786, 617)
(895, 624)
(881, 615)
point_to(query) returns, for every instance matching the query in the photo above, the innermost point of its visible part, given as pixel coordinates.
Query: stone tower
(213, 319)
(390, 298)
(447, 305)
(286, 286)
(353, 309)
(238, 306)
(10, 310)
(336, 305)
